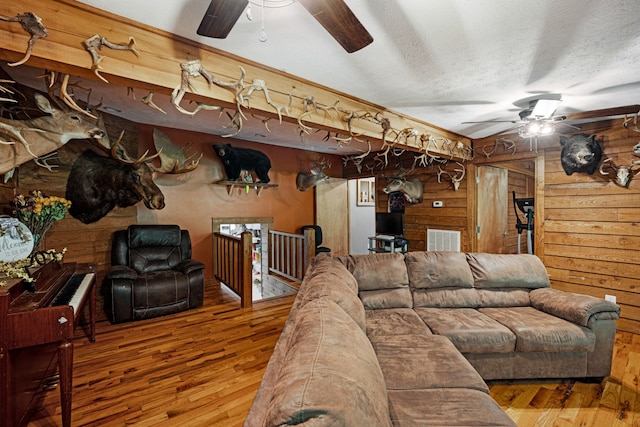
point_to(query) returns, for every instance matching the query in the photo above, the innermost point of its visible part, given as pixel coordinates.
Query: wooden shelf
(257, 186)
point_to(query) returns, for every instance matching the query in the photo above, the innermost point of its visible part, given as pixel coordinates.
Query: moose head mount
(97, 184)
(316, 175)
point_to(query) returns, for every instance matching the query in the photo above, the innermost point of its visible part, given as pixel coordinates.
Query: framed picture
(366, 192)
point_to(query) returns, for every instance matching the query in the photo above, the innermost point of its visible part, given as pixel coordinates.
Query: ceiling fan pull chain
(263, 34)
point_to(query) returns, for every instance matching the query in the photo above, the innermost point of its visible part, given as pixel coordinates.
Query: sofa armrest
(189, 266)
(121, 272)
(576, 308)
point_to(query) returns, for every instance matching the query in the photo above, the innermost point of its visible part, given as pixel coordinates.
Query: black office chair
(318, 232)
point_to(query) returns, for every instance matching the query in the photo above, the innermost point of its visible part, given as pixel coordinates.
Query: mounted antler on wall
(94, 43)
(173, 159)
(623, 174)
(32, 24)
(455, 179)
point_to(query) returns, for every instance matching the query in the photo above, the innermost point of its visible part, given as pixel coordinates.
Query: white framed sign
(16, 241)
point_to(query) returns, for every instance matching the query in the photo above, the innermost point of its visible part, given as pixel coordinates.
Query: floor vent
(443, 240)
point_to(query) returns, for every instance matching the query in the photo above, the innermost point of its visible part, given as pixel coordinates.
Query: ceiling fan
(539, 118)
(334, 15)
(539, 114)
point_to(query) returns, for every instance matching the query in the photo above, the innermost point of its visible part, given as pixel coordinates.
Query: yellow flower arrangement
(38, 212)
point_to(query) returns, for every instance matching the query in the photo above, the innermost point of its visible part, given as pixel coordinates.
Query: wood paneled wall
(591, 229)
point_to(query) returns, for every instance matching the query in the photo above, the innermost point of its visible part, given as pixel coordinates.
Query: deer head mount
(623, 174)
(413, 190)
(24, 140)
(305, 181)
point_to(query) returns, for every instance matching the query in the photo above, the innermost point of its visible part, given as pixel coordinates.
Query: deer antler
(32, 24)
(94, 44)
(143, 159)
(173, 159)
(261, 85)
(455, 179)
(194, 68)
(63, 92)
(635, 122)
(148, 100)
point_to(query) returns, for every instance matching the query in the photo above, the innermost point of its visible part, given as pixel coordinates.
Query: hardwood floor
(198, 368)
(203, 367)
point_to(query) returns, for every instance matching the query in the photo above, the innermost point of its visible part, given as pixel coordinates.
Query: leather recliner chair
(152, 273)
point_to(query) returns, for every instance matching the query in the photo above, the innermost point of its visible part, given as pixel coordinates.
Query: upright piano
(37, 323)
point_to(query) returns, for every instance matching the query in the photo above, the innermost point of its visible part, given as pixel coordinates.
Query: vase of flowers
(39, 212)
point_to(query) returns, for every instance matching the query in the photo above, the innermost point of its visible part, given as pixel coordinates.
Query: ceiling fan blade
(220, 17)
(492, 121)
(336, 17)
(607, 112)
(545, 108)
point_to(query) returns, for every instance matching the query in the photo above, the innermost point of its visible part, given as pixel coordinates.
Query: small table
(384, 243)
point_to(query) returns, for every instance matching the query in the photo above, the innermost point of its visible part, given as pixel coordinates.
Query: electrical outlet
(611, 298)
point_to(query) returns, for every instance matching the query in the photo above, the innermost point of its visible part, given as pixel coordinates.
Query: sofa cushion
(423, 362)
(324, 263)
(507, 271)
(438, 269)
(395, 321)
(382, 279)
(445, 407)
(504, 297)
(446, 298)
(331, 377)
(539, 331)
(469, 330)
(332, 287)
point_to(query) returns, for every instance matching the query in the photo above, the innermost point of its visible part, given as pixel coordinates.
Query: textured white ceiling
(443, 62)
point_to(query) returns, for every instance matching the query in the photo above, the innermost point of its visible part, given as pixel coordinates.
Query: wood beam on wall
(158, 68)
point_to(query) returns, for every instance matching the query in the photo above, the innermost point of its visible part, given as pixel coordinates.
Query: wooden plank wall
(591, 229)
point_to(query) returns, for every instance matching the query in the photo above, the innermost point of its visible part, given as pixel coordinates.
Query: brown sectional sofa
(408, 340)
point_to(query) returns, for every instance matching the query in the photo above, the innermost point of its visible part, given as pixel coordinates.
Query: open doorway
(502, 227)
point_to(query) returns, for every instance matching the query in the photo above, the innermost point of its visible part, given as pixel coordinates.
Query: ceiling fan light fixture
(535, 128)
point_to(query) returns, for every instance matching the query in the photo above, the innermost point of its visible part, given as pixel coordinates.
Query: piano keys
(36, 337)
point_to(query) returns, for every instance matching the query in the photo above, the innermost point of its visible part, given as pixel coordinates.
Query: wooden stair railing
(232, 266)
(289, 254)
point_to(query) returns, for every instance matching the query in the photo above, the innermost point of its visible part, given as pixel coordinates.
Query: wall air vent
(443, 240)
